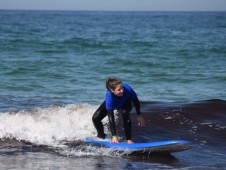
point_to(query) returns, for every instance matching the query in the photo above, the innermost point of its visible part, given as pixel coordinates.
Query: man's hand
(140, 120)
(114, 139)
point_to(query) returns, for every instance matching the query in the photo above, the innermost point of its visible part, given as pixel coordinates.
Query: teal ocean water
(66, 56)
(53, 64)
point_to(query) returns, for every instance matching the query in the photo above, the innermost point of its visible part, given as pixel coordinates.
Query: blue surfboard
(168, 146)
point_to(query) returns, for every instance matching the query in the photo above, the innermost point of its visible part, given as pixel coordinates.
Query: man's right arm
(111, 118)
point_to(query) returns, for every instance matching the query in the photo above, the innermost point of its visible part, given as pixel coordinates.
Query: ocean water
(53, 66)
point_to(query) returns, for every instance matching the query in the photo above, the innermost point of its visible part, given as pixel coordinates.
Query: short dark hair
(112, 83)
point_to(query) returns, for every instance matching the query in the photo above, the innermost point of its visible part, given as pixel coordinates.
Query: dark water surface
(41, 138)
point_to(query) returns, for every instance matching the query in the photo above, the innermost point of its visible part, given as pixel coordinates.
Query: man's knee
(125, 111)
(95, 118)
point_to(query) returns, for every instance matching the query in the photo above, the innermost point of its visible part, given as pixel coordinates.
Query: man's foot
(102, 136)
(130, 141)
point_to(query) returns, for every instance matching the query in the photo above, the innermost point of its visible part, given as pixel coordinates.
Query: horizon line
(82, 10)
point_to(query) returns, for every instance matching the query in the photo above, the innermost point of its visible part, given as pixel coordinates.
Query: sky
(116, 5)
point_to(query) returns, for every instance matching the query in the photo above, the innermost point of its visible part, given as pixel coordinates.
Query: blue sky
(116, 5)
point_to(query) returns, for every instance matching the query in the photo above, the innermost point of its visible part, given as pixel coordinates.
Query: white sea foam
(49, 126)
(56, 127)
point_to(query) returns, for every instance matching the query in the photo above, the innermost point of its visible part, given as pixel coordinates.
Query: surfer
(121, 97)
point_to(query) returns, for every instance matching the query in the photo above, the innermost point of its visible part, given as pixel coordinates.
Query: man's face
(119, 90)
